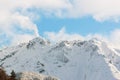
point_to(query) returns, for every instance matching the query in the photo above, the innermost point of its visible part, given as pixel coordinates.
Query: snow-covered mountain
(68, 60)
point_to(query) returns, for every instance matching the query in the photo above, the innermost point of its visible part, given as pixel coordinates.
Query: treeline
(5, 76)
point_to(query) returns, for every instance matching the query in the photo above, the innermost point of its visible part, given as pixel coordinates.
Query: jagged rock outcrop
(33, 76)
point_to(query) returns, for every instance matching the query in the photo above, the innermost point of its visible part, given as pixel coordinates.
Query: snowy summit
(68, 60)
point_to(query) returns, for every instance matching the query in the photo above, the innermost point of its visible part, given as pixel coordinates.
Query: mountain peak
(68, 60)
(38, 41)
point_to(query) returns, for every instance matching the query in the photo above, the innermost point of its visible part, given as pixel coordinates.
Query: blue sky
(82, 26)
(23, 20)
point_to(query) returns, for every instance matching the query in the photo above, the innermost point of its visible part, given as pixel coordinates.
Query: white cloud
(113, 38)
(62, 35)
(15, 14)
(13, 24)
(17, 22)
(100, 10)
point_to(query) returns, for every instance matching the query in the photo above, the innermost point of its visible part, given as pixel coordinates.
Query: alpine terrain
(67, 60)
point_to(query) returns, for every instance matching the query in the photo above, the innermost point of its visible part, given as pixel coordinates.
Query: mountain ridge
(68, 60)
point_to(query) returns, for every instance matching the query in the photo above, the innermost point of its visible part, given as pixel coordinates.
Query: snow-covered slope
(67, 60)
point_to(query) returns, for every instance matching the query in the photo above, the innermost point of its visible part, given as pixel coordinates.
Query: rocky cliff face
(33, 76)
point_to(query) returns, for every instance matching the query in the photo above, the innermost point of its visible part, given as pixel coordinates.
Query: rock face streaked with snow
(67, 60)
(33, 76)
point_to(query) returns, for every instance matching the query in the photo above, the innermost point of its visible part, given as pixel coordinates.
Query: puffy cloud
(17, 28)
(100, 10)
(62, 35)
(17, 16)
(113, 38)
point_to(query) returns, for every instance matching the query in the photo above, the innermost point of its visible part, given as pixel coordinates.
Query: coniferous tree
(13, 75)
